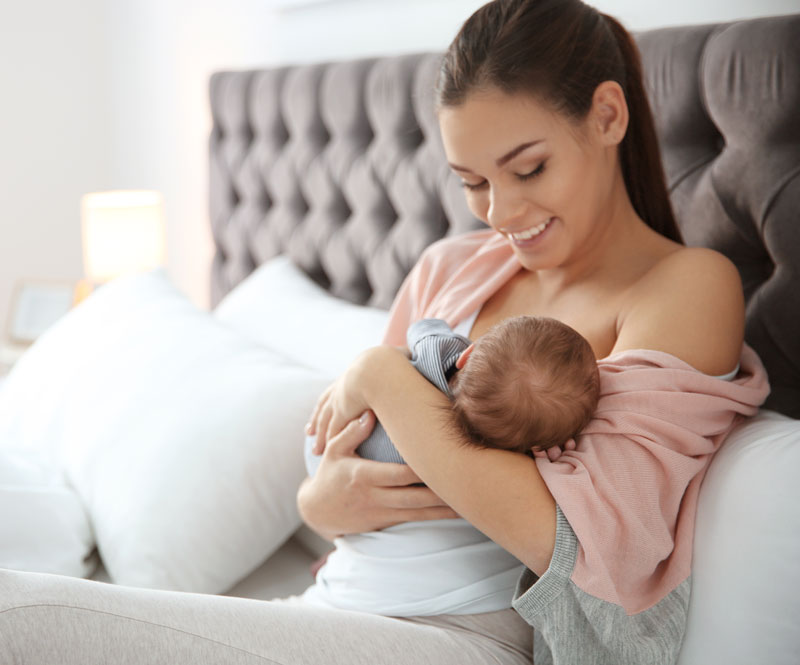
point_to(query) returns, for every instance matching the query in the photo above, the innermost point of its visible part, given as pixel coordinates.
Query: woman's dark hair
(560, 51)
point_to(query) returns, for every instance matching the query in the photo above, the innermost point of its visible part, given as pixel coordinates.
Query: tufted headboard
(340, 165)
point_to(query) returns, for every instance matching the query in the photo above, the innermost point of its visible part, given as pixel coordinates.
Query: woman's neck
(619, 238)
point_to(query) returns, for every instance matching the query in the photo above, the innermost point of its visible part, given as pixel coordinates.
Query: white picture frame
(35, 306)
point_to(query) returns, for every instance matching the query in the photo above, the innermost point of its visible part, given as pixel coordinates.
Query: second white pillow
(280, 307)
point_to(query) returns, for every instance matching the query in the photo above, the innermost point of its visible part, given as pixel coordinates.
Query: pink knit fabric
(451, 280)
(629, 483)
(629, 488)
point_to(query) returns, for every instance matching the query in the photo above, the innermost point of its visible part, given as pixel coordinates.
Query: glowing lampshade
(123, 232)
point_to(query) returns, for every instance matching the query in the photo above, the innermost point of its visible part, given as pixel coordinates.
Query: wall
(164, 53)
(116, 98)
(53, 133)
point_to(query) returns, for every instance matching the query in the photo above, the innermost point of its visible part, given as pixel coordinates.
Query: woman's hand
(349, 494)
(341, 402)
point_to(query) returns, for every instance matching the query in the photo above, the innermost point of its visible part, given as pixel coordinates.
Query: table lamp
(123, 233)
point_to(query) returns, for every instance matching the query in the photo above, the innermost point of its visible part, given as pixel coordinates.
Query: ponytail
(639, 153)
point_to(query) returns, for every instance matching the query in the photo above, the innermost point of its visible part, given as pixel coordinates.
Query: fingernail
(308, 428)
(363, 418)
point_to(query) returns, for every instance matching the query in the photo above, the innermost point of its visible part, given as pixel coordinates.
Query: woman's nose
(504, 209)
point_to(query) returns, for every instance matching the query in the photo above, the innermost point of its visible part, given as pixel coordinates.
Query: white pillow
(280, 307)
(183, 439)
(43, 524)
(745, 602)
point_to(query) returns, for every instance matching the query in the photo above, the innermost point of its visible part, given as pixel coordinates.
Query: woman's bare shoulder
(689, 304)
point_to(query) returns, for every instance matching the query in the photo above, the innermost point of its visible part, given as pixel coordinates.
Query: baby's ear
(462, 359)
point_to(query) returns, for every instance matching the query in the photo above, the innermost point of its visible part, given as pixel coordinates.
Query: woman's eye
(520, 176)
(527, 176)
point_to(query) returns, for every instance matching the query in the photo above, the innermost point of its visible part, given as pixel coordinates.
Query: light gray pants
(48, 620)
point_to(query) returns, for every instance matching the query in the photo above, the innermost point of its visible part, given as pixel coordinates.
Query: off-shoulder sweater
(617, 589)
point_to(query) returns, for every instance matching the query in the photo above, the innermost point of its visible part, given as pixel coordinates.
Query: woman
(544, 118)
(552, 136)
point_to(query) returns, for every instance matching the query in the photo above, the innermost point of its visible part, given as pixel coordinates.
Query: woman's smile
(531, 236)
(557, 219)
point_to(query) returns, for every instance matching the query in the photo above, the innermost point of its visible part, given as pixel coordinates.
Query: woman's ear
(462, 359)
(609, 113)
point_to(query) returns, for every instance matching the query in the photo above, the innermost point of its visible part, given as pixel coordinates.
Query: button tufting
(341, 165)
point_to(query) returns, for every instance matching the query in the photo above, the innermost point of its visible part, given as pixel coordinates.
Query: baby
(529, 384)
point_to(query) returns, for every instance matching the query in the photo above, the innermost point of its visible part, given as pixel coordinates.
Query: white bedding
(180, 431)
(285, 573)
(44, 526)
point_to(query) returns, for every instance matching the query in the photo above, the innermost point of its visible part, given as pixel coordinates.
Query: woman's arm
(499, 492)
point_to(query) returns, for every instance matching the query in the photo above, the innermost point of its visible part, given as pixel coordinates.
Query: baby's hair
(530, 383)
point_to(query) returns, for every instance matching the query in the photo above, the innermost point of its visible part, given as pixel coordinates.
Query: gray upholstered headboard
(340, 165)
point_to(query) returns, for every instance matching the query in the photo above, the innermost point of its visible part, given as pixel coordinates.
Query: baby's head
(528, 383)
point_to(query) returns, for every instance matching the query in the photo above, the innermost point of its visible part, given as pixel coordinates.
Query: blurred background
(112, 94)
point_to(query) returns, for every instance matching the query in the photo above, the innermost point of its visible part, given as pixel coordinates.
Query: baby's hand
(554, 452)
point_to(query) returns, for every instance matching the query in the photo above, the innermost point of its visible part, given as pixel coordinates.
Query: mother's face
(542, 181)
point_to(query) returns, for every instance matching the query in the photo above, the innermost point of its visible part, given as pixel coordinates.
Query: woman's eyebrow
(504, 159)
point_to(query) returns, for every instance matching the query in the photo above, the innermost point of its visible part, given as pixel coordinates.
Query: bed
(327, 181)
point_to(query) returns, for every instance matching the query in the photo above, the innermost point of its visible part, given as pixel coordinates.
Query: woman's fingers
(352, 435)
(411, 504)
(335, 425)
(396, 488)
(325, 415)
(311, 426)
(387, 474)
(410, 498)
(425, 514)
